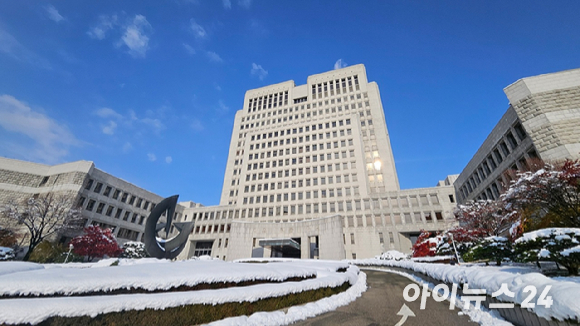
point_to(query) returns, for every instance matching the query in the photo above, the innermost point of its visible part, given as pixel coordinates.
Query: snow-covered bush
(490, 248)
(561, 245)
(134, 249)
(464, 239)
(392, 255)
(426, 245)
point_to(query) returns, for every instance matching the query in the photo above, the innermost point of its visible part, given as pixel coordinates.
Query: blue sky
(148, 90)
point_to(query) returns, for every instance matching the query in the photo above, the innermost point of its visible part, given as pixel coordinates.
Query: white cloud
(108, 113)
(168, 160)
(135, 36)
(197, 30)
(50, 139)
(10, 46)
(227, 4)
(53, 13)
(196, 125)
(258, 71)
(151, 157)
(213, 57)
(245, 3)
(339, 64)
(127, 147)
(106, 23)
(155, 124)
(109, 128)
(190, 50)
(222, 107)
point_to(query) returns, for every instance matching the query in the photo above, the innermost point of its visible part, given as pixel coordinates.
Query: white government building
(311, 174)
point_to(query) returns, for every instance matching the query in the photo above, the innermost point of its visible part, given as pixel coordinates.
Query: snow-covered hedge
(561, 245)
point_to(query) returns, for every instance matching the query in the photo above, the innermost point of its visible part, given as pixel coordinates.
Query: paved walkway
(380, 304)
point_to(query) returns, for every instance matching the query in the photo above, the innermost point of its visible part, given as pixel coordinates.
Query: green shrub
(47, 252)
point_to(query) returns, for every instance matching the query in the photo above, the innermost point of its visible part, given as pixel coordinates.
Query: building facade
(105, 200)
(542, 122)
(311, 174)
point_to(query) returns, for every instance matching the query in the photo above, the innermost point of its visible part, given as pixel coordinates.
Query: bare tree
(42, 217)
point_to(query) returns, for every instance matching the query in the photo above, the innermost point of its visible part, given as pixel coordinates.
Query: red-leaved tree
(485, 218)
(548, 197)
(425, 245)
(96, 242)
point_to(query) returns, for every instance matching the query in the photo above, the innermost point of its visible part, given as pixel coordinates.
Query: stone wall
(552, 119)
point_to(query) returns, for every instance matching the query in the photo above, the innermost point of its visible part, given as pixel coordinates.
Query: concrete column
(267, 252)
(304, 247)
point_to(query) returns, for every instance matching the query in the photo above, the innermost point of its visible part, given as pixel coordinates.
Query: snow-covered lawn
(28, 278)
(563, 292)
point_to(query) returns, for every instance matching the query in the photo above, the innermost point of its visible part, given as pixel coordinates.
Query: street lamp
(70, 248)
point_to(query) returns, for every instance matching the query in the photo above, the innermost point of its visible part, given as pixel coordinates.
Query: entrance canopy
(284, 243)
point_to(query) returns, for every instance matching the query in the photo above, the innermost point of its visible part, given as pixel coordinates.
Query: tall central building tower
(327, 138)
(311, 174)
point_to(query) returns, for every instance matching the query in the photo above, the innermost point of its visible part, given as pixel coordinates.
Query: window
(107, 191)
(90, 205)
(100, 208)
(520, 131)
(89, 184)
(98, 187)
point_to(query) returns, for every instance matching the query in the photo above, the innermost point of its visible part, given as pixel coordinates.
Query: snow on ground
(298, 313)
(564, 293)
(16, 311)
(9, 267)
(155, 276)
(481, 316)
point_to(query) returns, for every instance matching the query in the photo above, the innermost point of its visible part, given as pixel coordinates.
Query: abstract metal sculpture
(165, 248)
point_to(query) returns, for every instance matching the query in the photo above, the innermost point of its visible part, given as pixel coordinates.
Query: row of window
(268, 101)
(300, 149)
(119, 213)
(118, 194)
(290, 113)
(299, 183)
(293, 110)
(322, 89)
(301, 139)
(492, 161)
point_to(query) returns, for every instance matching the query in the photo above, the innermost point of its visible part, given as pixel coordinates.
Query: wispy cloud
(245, 3)
(105, 24)
(134, 33)
(257, 28)
(135, 36)
(190, 50)
(168, 159)
(213, 57)
(222, 107)
(10, 46)
(108, 113)
(151, 157)
(50, 140)
(53, 13)
(127, 147)
(196, 125)
(227, 4)
(258, 71)
(339, 64)
(197, 30)
(109, 128)
(130, 121)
